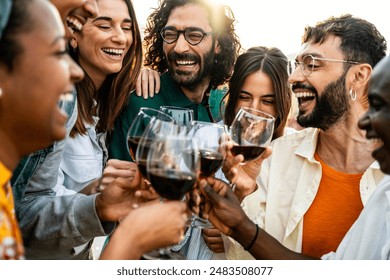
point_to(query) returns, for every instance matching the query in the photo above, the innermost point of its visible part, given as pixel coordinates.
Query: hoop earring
(353, 94)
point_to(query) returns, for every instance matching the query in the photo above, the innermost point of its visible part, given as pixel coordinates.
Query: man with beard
(316, 182)
(193, 44)
(368, 238)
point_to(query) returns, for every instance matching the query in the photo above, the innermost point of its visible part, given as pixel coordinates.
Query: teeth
(68, 97)
(185, 62)
(376, 141)
(74, 23)
(114, 51)
(304, 94)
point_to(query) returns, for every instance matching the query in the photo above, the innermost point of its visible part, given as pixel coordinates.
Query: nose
(119, 36)
(296, 76)
(76, 73)
(181, 45)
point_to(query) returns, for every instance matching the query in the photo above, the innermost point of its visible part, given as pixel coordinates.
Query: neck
(196, 94)
(9, 154)
(344, 146)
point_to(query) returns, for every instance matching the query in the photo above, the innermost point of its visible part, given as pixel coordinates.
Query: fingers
(148, 83)
(213, 239)
(208, 192)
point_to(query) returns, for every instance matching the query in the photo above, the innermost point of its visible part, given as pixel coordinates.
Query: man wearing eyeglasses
(193, 45)
(316, 182)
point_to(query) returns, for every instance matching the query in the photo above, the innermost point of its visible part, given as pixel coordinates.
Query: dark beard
(187, 79)
(330, 108)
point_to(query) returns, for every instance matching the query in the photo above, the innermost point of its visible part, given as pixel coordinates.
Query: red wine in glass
(249, 152)
(172, 185)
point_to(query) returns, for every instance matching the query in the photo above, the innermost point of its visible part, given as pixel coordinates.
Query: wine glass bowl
(181, 115)
(139, 125)
(173, 164)
(209, 138)
(252, 132)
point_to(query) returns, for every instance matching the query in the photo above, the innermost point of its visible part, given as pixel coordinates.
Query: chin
(58, 134)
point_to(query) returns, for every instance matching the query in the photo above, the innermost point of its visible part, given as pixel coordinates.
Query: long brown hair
(273, 63)
(114, 93)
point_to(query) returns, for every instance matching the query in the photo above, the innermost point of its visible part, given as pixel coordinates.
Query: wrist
(244, 232)
(241, 193)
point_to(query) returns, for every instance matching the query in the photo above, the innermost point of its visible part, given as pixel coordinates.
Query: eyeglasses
(310, 63)
(192, 35)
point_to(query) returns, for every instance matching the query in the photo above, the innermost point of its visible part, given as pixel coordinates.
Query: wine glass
(209, 138)
(138, 126)
(172, 168)
(251, 131)
(156, 127)
(181, 115)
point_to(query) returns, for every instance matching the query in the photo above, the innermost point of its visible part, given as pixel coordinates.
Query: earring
(1, 92)
(353, 94)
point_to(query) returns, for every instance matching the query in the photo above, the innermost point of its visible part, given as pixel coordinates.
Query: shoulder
(307, 135)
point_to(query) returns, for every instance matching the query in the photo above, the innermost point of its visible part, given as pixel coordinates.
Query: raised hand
(148, 83)
(243, 177)
(222, 206)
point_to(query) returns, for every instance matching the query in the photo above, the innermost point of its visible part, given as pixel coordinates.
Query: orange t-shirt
(11, 244)
(335, 208)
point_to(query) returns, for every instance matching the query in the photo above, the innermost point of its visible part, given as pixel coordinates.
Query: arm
(225, 213)
(146, 228)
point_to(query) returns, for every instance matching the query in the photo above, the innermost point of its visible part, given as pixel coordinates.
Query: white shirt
(289, 181)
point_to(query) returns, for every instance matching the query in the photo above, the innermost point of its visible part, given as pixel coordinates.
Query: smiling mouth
(74, 23)
(113, 52)
(304, 96)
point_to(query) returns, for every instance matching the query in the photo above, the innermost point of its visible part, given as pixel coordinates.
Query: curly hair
(273, 63)
(222, 22)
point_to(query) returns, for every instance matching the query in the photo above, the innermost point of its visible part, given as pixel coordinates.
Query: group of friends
(73, 78)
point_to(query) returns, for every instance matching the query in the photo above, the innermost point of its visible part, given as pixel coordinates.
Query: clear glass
(251, 131)
(209, 137)
(156, 127)
(181, 115)
(138, 126)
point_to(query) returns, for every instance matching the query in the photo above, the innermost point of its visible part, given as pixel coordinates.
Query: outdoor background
(280, 23)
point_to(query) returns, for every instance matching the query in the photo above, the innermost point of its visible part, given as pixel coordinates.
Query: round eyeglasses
(192, 35)
(309, 63)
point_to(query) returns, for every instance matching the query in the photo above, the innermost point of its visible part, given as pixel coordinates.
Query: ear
(73, 43)
(361, 76)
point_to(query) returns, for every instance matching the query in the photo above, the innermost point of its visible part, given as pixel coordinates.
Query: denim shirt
(53, 225)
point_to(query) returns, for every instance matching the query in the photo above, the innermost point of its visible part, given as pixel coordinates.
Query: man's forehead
(189, 15)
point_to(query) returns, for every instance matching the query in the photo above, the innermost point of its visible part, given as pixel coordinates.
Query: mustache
(299, 85)
(188, 56)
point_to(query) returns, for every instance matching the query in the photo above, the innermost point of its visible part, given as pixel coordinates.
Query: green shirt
(170, 94)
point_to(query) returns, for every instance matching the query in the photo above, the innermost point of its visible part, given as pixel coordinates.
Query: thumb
(209, 192)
